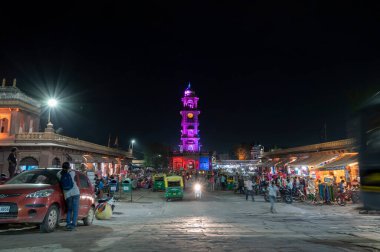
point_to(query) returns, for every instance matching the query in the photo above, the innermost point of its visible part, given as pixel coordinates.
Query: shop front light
(40, 194)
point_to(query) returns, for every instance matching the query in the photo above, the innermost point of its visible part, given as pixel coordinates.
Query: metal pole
(49, 115)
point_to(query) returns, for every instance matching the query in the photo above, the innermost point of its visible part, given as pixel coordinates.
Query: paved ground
(220, 221)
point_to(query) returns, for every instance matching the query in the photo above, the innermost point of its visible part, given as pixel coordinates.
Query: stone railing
(49, 137)
(16, 94)
(334, 145)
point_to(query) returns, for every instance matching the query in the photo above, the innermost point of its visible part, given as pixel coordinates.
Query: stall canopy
(269, 163)
(341, 163)
(90, 158)
(284, 162)
(314, 160)
(77, 159)
(108, 160)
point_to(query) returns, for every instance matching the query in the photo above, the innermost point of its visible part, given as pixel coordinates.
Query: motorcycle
(285, 195)
(299, 195)
(348, 195)
(198, 191)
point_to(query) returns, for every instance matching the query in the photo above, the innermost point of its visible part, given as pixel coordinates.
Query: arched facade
(56, 162)
(28, 163)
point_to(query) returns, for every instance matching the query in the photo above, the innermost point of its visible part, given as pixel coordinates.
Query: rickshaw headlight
(197, 187)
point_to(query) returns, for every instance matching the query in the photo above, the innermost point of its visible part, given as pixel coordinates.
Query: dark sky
(268, 72)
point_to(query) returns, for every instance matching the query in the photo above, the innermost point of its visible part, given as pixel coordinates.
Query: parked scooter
(108, 200)
(198, 191)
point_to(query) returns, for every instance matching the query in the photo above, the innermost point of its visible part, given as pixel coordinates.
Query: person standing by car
(12, 161)
(71, 192)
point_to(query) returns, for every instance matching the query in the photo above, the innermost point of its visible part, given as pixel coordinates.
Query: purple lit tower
(190, 123)
(189, 157)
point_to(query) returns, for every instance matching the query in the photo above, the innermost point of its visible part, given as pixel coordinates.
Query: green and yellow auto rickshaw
(174, 188)
(231, 183)
(159, 182)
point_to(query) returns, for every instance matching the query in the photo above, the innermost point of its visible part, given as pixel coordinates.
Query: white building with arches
(19, 124)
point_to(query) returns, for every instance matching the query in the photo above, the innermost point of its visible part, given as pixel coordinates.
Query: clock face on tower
(190, 115)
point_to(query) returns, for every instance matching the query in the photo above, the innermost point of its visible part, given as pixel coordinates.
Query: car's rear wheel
(90, 217)
(51, 220)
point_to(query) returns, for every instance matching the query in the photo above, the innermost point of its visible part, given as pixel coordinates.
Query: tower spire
(189, 85)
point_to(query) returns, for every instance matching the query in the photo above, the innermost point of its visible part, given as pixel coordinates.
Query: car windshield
(35, 177)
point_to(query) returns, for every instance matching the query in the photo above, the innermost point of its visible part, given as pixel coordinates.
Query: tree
(156, 156)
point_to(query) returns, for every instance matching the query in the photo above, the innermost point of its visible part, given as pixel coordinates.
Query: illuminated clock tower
(190, 123)
(190, 157)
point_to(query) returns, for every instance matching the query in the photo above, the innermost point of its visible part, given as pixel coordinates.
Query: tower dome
(189, 92)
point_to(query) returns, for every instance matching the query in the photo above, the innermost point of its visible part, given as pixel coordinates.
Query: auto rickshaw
(159, 182)
(231, 183)
(174, 187)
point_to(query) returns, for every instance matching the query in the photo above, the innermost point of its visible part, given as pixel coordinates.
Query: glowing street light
(131, 144)
(51, 103)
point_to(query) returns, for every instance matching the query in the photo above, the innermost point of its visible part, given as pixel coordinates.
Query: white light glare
(52, 102)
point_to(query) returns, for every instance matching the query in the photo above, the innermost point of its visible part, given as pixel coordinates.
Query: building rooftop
(12, 96)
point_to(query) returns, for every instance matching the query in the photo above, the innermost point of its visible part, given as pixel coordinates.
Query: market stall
(304, 164)
(344, 167)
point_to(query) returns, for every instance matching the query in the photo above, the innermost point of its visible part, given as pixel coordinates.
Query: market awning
(272, 162)
(90, 159)
(107, 160)
(76, 159)
(341, 163)
(314, 160)
(283, 162)
(268, 163)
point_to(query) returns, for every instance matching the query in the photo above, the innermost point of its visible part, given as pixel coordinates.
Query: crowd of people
(247, 184)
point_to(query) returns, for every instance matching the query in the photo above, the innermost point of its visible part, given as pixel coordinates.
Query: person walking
(289, 186)
(12, 162)
(341, 186)
(212, 182)
(248, 190)
(217, 181)
(71, 193)
(223, 182)
(272, 191)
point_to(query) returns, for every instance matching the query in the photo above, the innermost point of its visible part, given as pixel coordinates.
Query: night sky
(265, 72)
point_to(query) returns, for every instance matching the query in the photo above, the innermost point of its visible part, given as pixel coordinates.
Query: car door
(85, 196)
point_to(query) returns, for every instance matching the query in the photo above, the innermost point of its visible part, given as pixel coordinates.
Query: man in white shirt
(272, 191)
(248, 189)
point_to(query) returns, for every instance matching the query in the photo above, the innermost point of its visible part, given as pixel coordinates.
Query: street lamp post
(51, 103)
(131, 145)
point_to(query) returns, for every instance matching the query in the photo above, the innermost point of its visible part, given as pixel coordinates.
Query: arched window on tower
(190, 104)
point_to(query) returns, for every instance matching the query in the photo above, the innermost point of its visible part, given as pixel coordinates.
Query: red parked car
(35, 197)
